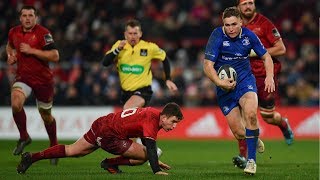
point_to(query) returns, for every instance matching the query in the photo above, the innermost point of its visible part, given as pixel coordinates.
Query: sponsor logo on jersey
(226, 43)
(143, 52)
(250, 87)
(225, 109)
(135, 69)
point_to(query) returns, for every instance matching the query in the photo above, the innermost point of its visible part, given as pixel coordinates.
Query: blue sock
(252, 139)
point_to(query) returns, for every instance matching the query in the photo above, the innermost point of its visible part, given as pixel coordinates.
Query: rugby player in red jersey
(112, 133)
(31, 47)
(271, 39)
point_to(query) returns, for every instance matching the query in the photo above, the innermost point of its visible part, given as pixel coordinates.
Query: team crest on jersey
(275, 32)
(245, 41)
(48, 39)
(143, 52)
(226, 43)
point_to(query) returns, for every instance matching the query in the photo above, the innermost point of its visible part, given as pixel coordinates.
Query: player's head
(28, 17)
(133, 32)
(170, 115)
(247, 8)
(232, 21)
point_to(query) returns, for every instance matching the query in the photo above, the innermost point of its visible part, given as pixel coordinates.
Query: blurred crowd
(84, 30)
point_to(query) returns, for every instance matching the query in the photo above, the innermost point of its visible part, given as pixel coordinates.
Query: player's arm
(166, 67)
(48, 53)
(11, 54)
(151, 147)
(109, 57)
(269, 81)
(278, 49)
(211, 73)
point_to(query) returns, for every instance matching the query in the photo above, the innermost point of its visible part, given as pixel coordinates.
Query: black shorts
(145, 93)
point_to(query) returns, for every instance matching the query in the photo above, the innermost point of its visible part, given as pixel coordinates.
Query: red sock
(52, 132)
(243, 147)
(21, 122)
(57, 151)
(119, 161)
(283, 125)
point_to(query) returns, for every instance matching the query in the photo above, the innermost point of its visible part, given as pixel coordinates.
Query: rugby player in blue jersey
(231, 44)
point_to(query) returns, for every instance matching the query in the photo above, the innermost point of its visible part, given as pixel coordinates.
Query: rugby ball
(226, 71)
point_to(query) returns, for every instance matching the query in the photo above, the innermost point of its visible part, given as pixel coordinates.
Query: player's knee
(267, 114)
(16, 107)
(251, 117)
(72, 152)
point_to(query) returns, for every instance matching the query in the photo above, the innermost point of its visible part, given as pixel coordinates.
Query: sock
(252, 139)
(57, 151)
(283, 125)
(52, 132)
(243, 147)
(119, 161)
(21, 122)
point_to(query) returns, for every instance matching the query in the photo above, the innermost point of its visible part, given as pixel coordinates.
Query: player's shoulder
(151, 110)
(263, 19)
(16, 28)
(145, 43)
(218, 31)
(41, 29)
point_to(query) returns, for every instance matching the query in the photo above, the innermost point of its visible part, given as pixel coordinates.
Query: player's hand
(269, 84)
(11, 59)
(122, 44)
(171, 85)
(227, 84)
(25, 48)
(161, 173)
(164, 166)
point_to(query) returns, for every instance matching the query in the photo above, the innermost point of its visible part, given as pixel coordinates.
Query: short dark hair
(29, 7)
(172, 109)
(133, 23)
(231, 11)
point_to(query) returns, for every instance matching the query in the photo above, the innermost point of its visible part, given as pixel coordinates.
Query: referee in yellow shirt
(133, 58)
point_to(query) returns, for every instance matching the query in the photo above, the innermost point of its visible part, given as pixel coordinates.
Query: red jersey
(31, 69)
(268, 35)
(131, 123)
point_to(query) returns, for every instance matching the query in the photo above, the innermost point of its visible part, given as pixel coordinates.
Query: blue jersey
(222, 49)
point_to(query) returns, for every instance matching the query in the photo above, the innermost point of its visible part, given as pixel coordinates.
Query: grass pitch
(201, 159)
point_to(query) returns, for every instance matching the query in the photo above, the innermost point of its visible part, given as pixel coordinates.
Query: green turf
(188, 159)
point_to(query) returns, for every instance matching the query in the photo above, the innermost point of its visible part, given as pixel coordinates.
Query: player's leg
(78, 149)
(44, 96)
(131, 154)
(268, 113)
(249, 104)
(237, 127)
(20, 91)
